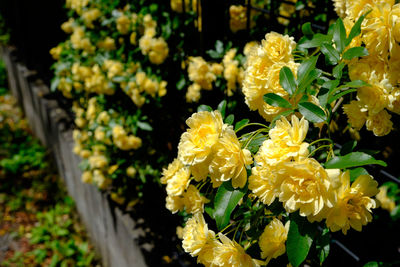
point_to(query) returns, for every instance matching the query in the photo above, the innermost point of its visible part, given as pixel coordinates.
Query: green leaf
(354, 52)
(322, 245)
(241, 123)
(316, 41)
(355, 84)
(339, 35)
(323, 96)
(312, 112)
(229, 120)
(305, 68)
(348, 147)
(287, 80)
(356, 29)
(307, 30)
(354, 173)
(283, 113)
(339, 95)
(353, 159)
(144, 126)
(308, 80)
(222, 108)
(204, 108)
(371, 264)
(181, 83)
(338, 70)
(331, 84)
(276, 100)
(331, 54)
(225, 202)
(299, 240)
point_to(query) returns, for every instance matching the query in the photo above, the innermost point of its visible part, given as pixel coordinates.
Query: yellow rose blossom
(230, 253)
(394, 101)
(217, 68)
(354, 203)
(385, 201)
(374, 98)
(380, 124)
(100, 180)
(355, 114)
(272, 240)
(179, 182)
(67, 26)
(277, 47)
(197, 142)
(148, 21)
(171, 170)
(89, 16)
(87, 177)
(131, 171)
(193, 200)
(108, 44)
(196, 234)
(193, 93)
(55, 52)
(174, 203)
(112, 169)
(306, 187)
(264, 182)
(159, 51)
(229, 160)
(123, 24)
(340, 7)
(200, 72)
(249, 47)
(238, 18)
(98, 161)
(145, 43)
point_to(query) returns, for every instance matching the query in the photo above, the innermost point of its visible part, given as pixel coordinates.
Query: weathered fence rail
(112, 232)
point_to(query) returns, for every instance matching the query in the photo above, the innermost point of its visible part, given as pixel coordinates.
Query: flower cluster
(262, 72)
(203, 74)
(180, 5)
(379, 34)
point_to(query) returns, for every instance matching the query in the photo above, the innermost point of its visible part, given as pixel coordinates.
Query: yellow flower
(100, 180)
(277, 47)
(176, 5)
(193, 93)
(148, 21)
(145, 43)
(67, 26)
(193, 200)
(197, 142)
(174, 203)
(87, 177)
(386, 202)
(230, 253)
(108, 44)
(238, 18)
(229, 160)
(394, 99)
(217, 68)
(179, 182)
(171, 170)
(250, 47)
(340, 7)
(89, 16)
(98, 161)
(264, 181)
(373, 97)
(201, 73)
(55, 52)
(196, 234)
(355, 114)
(306, 187)
(262, 77)
(354, 203)
(159, 51)
(131, 171)
(380, 123)
(272, 240)
(123, 24)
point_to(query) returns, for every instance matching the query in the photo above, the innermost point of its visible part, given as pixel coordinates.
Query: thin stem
(319, 148)
(252, 124)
